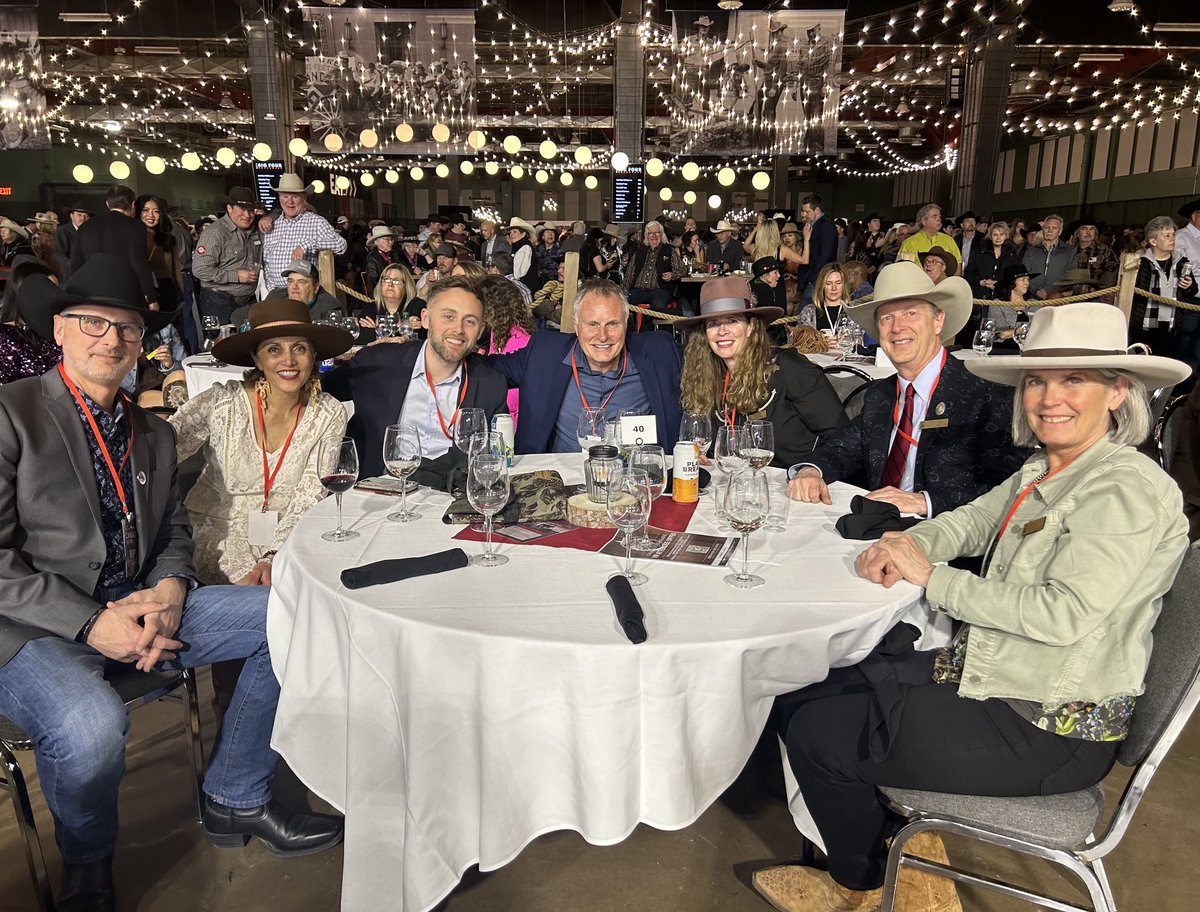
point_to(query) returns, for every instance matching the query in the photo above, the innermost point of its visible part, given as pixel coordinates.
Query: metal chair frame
(12, 778)
(1163, 449)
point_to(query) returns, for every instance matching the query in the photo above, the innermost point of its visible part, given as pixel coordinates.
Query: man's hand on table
(906, 501)
(896, 556)
(809, 487)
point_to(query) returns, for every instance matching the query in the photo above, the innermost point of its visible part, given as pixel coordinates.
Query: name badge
(260, 527)
(638, 429)
(1034, 525)
(932, 423)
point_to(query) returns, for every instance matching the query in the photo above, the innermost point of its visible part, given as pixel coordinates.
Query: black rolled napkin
(392, 571)
(705, 478)
(869, 519)
(628, 609)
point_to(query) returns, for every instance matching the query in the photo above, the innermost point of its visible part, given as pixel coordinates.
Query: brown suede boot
(917, 891)
(793, 888)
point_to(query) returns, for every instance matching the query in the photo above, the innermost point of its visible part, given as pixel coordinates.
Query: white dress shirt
(420, 410)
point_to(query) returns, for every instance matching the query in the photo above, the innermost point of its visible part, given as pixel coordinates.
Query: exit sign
(5, 191)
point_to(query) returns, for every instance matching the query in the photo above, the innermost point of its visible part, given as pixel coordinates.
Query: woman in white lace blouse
(259, 437)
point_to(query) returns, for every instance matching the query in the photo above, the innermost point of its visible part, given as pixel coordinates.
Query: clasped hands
(117, 633)
(896, 556)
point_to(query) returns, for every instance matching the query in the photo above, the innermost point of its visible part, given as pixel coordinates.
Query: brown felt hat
(276, 318)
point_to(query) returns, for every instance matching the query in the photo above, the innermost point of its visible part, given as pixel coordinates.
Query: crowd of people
(100, 560)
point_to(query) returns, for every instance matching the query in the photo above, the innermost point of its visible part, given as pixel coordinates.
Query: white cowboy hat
(291, 183)
(379, 231)
(1088, 334)
(14, 227)
(907, 281)
(724, 226)
(521, 225)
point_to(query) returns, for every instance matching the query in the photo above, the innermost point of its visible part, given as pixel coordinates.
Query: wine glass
(401, 457)
(747, 503)
(981, 344)
(488, 492)
(385, 325)
(337, 467)
(628, 493)
(589, 430)
(758, 447)
(1020, 331)
(650, 459)
(727, 452)
(698, 428)
(847, 337)
(471, 431)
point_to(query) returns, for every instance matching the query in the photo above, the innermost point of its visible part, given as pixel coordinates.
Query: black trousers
(939, 742)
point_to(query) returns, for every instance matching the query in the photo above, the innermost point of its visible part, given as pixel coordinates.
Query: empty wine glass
(650, 459)
(589, 430)
(401, 457)
(727, 453)
(698, 428)
(471, 431)
(981, 344)
(747, 503)
(758, 448)
(488, 492)
(847, 336)
(1020, 331)
(628, 503)
(337, 467)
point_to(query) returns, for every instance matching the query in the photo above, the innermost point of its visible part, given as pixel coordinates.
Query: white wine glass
(337, 467)
(847, 337)
(488, 492)
(747, 503)
(471, 431)
(628, 501)
(727, 453)
(590, 428)
(981, 344)
(759, 444)
(650, 459)
(1020, 331)
(401, 458)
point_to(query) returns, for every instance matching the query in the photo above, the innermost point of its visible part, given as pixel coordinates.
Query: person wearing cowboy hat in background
(731, 370)
(938, 263)
(724, 250)
(1038, 689)
(956, 441)
(768, 288)
(14, 241)
(228, 257)
(116, 231)
(380, 243)
(520, 236)
(969, 240)
(96, 565)
(64, 237)
(1093, 254)
(297, 233)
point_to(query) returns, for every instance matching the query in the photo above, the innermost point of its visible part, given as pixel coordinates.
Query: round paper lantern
(342, 182)
(492, 168)
(391, 175)
(583, 155)
(416, 172)
(82, 174)
(714, 202)
(261, 152)
(566, 178)
(120, 170)
(541, 175)
(190, 161)
(590, 182)
(512, 144)
(404, 132)
(620, 161)
(441, 133)
(655, 167)
(367, 179)
(154, 165)
(476, 139)
(442, 170)
(665, 194)
(466, 166)
(333, 142)
(368, 138)
(298, 147)
(516, 172)
(318, 186)
(690, 171)
(726, 176)
(761, 180)
(225, 155)
(547, 149)
(690, 197)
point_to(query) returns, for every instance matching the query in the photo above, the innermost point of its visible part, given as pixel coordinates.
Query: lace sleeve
(309, 490)
(193, 421)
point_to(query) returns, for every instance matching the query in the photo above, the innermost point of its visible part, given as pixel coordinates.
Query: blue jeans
(55, 690)
(654, 298)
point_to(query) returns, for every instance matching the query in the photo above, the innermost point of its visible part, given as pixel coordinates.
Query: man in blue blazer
(559, 374)
(935, 436)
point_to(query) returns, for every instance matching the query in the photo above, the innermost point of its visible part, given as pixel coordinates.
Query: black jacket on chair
(118, 234)
(955, 464)
(802, 407)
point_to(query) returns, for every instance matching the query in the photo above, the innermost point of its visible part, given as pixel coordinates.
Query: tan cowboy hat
(723, 225)
(789, 228)
(729, 296)
(379, 231)
(941, 253)
(14, 227)
(275, 318)
(1089, 334)
(291, 183)
(521, 225)
(907, 281)
(1073, 277)
(611, 230)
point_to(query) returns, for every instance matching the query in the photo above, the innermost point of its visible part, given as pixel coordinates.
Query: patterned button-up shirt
(307, 230)
(1098, 259)
(114, 429)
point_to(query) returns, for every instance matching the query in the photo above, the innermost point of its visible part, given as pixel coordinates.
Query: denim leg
(217, 304)
(55, 690)
(229, 622)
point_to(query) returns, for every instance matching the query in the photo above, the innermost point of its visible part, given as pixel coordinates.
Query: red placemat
(665, 514)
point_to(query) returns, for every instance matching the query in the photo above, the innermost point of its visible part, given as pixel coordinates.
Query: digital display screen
(266, 175)
(629, 194)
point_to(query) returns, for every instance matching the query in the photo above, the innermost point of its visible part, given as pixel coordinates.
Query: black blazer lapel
(397, 388)
(62, 411)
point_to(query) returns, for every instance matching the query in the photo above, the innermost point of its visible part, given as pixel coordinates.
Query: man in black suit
(935, 437)
(116, 231)
(423, 384)
(64, 237)
(821, 244)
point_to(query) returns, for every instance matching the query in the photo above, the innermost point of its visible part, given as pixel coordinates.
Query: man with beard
(423, 385)
(1094, 255)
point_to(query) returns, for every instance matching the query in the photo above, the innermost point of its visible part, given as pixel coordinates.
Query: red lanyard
(729, 419)
(269, 479)
(932, 390)
(582, 397)
(461, 396)
(1021, 497)
(87, 413)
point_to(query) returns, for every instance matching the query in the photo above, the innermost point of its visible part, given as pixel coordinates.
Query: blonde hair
(703, 373)
(1129, 422)
(819, 291)
(766, 240)
(410, 287)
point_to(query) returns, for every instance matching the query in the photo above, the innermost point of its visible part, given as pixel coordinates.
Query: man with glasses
(654, 270)
(96, 570)
(226, 259)
(928, 235)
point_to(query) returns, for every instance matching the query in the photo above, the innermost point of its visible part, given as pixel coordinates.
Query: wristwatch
(269, 557)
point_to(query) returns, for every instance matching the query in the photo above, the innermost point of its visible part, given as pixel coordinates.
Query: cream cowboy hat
(291, 183)
(14, 228)
(908, 281)
(379, 231)
(724, 226)
(520, 225)
(1089, 334)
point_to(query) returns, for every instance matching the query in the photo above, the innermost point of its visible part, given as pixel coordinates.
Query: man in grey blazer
(96, 568)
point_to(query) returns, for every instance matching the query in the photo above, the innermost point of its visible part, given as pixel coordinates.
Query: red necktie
(893, 470)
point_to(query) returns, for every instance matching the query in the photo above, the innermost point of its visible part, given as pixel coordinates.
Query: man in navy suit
(822, 245)
(934, 437)
(559, 374)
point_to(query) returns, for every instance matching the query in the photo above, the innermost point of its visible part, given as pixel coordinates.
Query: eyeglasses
(92, 325)
(392, 281)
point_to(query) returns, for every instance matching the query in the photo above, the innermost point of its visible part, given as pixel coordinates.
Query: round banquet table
(455, 717)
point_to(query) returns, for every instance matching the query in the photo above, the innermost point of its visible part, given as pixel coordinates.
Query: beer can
(502, 427)
(685, 486)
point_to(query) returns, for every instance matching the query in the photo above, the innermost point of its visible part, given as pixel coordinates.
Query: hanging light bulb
(761, 180)
(655, 167)
(566, 178)
(368, 138)
(547, 149)
(82, 174)
(512, 144)
(391, 175)
(590, 182)
(690, 171)
(476, 139)
(404, 132)
(367, 179)
(333, 142)
(261, 152)
(583, 155)
(155, 165)
(620, 161)
(342, 182)
(466, 166)
(517, 172)
(416, 172)
(318, 186)
(714, 202)
(690, 197)
(298, 147)
(665, 194)
(492, 168)
(442, 170)
(726, 176)
(541, 175)
(225, 155)
(441, 133)
(190, 161)
(119, 170)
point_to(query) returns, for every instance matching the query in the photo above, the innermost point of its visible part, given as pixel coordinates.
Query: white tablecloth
(456, 717)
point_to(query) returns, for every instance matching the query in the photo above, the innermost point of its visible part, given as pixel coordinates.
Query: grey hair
(994, 225)
(602, 288)
(926, 209)
(1055, 216)
(661, 230)
(1130, 422)
(1157, 226)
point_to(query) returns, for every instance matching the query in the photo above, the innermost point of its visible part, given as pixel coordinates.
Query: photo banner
(746, 82)
(22, 100)
(380, 68)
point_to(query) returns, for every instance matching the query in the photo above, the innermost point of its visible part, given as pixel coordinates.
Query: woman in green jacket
(1038, 687)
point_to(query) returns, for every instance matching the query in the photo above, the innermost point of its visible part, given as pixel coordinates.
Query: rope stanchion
(354, 294)
(1184, 305)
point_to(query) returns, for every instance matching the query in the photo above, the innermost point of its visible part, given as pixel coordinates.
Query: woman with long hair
(889, 247)
(829, 297)
(162, 250)
(599, 254)
(731, 371)
(986, 268)
(765, 241)
(507, 317)
(26, 348)
(469, 268)
(396, 297)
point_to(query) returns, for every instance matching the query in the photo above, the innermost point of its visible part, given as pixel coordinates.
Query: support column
(629, 84)
(988, 74)
(271, 88)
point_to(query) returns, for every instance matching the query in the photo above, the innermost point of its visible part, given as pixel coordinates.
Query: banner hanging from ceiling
(380, 68)
(22, 100)
(747, 82)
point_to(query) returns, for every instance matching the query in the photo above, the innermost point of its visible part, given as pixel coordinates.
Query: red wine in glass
(339, 483)
(337, 467)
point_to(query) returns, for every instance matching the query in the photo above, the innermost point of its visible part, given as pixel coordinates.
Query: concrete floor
(164, 863)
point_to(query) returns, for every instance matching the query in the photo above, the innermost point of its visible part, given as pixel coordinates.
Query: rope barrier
(355, 294)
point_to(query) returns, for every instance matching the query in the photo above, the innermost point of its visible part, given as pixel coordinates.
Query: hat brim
(952, 296)
(281, 189)
(1154, 370)
(766, 314)
(239, 349)
(40, 301)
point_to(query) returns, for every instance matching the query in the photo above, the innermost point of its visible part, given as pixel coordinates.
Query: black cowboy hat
(968, 214)
(240, 196)
(105, 279)
(1016, 271)
(1186, 210)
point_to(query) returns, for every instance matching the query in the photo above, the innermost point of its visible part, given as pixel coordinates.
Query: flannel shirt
(307, 230)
